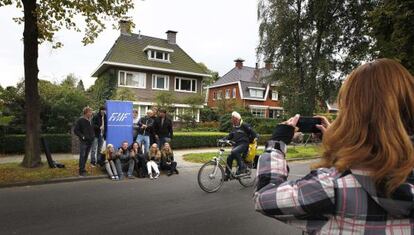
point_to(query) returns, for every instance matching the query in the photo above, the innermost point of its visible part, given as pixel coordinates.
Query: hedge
(204, 139)
(61, 143)
(58, 143)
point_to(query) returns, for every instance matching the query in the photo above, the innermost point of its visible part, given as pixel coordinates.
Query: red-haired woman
(364, 183)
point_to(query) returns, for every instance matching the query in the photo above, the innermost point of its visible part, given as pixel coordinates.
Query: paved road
(169, 205)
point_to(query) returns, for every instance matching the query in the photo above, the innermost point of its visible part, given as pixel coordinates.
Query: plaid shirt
(329, 202)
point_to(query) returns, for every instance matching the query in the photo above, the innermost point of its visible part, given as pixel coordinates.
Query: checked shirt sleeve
(310, 198)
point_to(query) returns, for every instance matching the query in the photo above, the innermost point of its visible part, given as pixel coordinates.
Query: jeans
(144, 140)
(96, 149)
(84, 149)
(236, 153)
(169, 167)
(152, 165)
(124, 164)
(162, 141)
(110, 168)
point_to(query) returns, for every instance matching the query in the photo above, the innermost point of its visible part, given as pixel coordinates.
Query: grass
(199, 133)
(292, 153)
(13, 173)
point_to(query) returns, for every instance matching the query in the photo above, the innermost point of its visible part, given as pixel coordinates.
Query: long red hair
(376, 118)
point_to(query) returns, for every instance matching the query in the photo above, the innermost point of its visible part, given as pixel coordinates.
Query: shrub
(208, 114)
(58, 143)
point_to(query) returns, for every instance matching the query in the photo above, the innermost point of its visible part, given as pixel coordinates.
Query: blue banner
(119, 115)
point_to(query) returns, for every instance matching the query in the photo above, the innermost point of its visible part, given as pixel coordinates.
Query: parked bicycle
(211, 174)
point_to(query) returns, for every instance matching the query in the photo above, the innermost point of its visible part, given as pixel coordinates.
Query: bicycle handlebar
(225, 142)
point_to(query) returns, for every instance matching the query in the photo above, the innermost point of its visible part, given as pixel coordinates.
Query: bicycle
(211, 174)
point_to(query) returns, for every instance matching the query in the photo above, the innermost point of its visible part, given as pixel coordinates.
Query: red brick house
(247, 86)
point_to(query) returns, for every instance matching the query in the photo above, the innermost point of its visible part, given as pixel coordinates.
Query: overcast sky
(214, 32)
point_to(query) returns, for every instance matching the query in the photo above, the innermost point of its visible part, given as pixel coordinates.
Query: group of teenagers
(149, 151)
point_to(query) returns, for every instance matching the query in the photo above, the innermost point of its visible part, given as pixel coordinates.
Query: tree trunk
(32, 102)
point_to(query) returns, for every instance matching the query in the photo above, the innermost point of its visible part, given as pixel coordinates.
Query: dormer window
(256, 92)
(159, 54)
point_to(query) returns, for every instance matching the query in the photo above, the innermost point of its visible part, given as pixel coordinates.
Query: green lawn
(292, 153)
(13, 172)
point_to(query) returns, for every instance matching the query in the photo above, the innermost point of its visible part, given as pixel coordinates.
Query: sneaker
(116, 177)
(157, 175)
(113, 178)
(131, 177)
(176, 171)
(150, 176)
(226, 177)
(169, 173)
(83, 174)
(93, 164)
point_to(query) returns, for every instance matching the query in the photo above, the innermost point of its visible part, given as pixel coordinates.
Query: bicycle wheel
(210, 177)
(247, 180)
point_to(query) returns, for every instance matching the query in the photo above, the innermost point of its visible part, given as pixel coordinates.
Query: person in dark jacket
(153, 116)
(124, 161)
(163, 128)
(99, 126)
(140, 161)
(86, 134)
(242, 134)
(135, 119)
(145, 126)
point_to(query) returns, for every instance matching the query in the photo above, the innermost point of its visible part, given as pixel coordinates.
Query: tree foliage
(165, 100)
(392, 24)
(312, 43)
(123, 93)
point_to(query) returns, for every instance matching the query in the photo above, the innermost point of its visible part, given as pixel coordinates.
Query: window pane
(141, 80)
(122, 78)
(177, 84)
(159, 55)
(193, 83)
(185, 85)
(153, 54)
(234, 92)
(161, 82)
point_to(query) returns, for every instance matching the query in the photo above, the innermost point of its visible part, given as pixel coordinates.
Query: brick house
(148, 65)
(247, 86)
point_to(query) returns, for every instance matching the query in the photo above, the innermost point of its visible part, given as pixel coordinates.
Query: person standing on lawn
(99, 126)
(163, 128)
(135, 120)
(86, 134)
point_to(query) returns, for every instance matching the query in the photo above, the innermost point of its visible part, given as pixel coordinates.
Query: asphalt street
(169, 205)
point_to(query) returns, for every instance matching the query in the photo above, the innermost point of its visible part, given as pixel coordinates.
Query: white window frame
(255, 95)
(155, 81)
(234, 93)
(253, 111)
(178, 79)
(273, 95)
(219, 92)
(165, 56)
(133, 74)
(183, 110)
(227, 94)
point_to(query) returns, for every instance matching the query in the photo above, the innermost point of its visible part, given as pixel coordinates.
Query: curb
(52, 181)
(302, 159)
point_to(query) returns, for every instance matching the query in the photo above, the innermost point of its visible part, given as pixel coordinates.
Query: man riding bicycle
(242, 134)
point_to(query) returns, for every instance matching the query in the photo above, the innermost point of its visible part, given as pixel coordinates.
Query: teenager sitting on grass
(167, 160)
(153, 156)
(110, 156)
(139, 158)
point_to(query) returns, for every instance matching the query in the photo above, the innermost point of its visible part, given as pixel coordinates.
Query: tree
(190, 115)
(165, 100)
(209, 80)
(80, 86)
(41, 20)
(392, 23)
(313, 44)
(123, 93)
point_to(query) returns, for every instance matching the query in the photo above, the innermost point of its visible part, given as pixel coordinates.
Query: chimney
(239, 63)
(125, 27)
(171, 36)
(269, 65)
